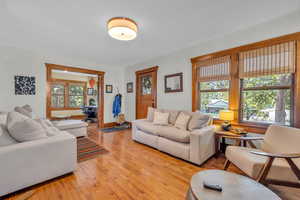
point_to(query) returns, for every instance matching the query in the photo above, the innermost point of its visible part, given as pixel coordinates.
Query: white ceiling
(77, 28)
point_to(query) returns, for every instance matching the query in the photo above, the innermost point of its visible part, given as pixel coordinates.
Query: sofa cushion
(175, 134)
(182, 121)
(148, 127)
(173, 115)
(69, 124)
(48, 127)
(5, 138)
(23, 129)
(150, 114)
(161, 118)
(198, 121)
(251, 164)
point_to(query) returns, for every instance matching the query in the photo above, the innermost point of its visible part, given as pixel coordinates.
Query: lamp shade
(226, 115)
(122, 28)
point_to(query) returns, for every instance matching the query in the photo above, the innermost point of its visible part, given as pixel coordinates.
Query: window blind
(275, 59)
(214, 69)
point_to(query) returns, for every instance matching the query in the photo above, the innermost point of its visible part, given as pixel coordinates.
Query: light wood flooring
(130, 171)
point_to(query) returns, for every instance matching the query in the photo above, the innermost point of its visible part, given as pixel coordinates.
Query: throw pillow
(173, 115)
(5, 138)
(23, 111)
(198, 121)
(23, 129)
(150, 114)
(161, 118)
(28, 108)
(182, 121)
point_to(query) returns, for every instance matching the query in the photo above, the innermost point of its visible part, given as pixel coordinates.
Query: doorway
(72, 90)
(146, 91)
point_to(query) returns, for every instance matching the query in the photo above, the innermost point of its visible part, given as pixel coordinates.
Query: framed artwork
(25, 85)
(174, 83)
(108, 88)
(90, 91)
(130, 87)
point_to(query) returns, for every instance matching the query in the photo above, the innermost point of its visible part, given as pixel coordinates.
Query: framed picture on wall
(130, 87)
(108, 88)
(24, 85)
(90, 91)
(174, 83)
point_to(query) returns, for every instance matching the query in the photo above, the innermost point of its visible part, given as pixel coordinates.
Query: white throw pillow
(23, 129)
(5, 138)
(161, 118)
(182, 121)
(23, 111)
(48, 127)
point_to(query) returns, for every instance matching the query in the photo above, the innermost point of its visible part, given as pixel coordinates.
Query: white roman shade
(275, 59)
(214, 69)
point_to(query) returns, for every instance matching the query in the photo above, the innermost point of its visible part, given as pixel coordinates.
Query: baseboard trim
(109, 125)
(112, 124)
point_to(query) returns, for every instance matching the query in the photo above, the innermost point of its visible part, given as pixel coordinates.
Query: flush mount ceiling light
(122, 28)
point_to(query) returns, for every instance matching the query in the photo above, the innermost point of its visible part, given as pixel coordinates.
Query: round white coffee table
(235, 187)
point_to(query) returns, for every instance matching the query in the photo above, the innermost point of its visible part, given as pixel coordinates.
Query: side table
(240, 139)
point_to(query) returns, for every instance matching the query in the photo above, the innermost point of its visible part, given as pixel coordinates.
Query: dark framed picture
(24, 85)
(174, 83)
(130, 87)
(108, 88)
(90, 91)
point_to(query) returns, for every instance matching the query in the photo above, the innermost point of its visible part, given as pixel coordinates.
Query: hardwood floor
(130, 171)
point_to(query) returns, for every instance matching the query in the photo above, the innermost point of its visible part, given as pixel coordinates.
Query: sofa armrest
(28, 163)
(202, 144)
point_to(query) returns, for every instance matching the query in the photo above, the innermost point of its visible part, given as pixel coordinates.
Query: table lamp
(226, 116)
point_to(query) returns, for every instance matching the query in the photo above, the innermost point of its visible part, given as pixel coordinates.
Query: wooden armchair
(278, 160)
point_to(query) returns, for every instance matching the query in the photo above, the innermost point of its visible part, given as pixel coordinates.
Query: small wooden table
(240, 139)
(235, 187)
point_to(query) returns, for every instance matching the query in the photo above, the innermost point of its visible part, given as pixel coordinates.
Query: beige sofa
(194, 145)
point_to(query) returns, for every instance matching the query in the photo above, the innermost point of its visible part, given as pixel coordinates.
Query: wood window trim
(100, 86)
(67, 84)
(234, 89)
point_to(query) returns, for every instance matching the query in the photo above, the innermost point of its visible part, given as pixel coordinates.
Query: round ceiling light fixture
(122, 28)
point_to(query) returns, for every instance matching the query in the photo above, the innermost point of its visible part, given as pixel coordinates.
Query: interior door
(146, 91)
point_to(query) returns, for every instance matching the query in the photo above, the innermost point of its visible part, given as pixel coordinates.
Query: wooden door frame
(137, 87)
(100, 76)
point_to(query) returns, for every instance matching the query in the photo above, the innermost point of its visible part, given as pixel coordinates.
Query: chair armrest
(292, 155)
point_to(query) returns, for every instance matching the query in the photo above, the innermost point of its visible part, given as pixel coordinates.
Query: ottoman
(77, 128)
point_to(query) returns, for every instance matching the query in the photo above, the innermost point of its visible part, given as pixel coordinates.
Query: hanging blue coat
(117, 105)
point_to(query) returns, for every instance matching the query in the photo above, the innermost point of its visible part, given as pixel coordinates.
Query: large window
(213, 77)
(213, 96)
(267, 99)
(67, 94)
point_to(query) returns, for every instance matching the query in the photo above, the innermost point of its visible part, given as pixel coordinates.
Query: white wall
(17, 61)
(180, 61)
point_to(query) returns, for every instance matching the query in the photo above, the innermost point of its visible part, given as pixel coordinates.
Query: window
(266, 84)
(67, 94)
(76, 95)
(57, 95)
(213, 85)
(267, 99)
(213, 97)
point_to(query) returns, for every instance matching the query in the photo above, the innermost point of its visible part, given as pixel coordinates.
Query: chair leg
(227, 164)
(294, 167)
(265, 170)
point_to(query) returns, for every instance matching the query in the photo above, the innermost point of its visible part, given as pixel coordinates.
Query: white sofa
(28, 163)
(77, 128)
(195, 146)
